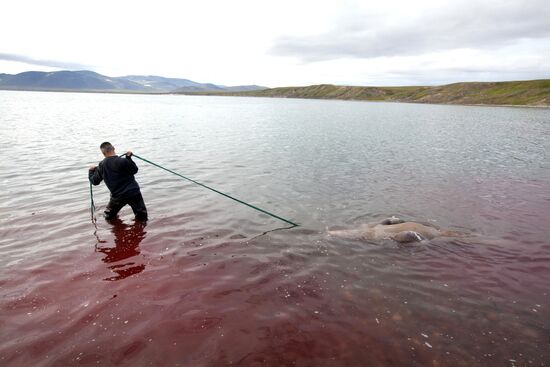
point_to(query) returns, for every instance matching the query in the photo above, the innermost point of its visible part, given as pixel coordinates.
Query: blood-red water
(200, 285)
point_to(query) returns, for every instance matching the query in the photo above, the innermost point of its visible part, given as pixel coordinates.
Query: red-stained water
(204, 282)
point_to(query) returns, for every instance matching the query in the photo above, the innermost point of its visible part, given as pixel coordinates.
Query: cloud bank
(438, 26)
(285, 42)
(41, 62)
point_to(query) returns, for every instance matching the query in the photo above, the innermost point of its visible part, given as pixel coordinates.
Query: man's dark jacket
(118, 174)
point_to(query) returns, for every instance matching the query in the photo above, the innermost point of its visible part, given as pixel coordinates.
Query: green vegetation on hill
(518, 93)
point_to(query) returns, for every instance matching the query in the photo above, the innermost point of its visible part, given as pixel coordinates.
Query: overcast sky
(282, 42)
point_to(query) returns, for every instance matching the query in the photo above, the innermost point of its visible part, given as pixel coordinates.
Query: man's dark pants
(136, 203)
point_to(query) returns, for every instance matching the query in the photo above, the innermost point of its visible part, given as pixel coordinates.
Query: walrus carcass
(395, 229)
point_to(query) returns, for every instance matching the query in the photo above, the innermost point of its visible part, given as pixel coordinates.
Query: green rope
(216, 191)
(92, 205)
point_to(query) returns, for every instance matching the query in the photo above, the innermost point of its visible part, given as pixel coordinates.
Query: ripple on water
(207, 282)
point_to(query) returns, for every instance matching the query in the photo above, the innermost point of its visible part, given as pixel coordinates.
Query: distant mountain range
(517, 93)
(85, 80)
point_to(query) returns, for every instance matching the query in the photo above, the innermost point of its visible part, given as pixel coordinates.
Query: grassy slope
(522, 93)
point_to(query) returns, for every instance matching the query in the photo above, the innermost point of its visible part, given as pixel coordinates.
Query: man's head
(107, 149)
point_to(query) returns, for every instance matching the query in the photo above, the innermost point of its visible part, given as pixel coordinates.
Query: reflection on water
(127, 238)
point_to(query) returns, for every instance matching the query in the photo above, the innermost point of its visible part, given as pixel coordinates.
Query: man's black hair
(106, 147)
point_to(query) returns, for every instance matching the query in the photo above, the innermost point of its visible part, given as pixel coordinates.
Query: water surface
(201, 284)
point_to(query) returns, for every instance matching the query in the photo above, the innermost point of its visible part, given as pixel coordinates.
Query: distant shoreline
(533, 93)
(363, 100)
(83, 91)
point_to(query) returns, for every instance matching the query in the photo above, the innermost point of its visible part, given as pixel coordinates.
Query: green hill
(516, 93)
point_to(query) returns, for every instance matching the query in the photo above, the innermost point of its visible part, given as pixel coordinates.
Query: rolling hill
(85, 80)
(517, 93)
(67, 80)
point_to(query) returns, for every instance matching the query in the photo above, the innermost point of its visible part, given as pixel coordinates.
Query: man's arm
(131, 164)
(94, 175)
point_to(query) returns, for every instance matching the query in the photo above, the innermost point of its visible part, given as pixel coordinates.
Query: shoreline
(233, 94)
(366, 100)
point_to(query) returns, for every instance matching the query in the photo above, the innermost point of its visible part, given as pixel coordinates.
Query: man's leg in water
(138, 206)
(113, 208)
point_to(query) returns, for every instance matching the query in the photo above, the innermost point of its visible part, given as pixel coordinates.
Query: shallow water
(202, 285)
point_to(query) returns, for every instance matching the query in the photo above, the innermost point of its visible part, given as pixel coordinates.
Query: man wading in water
(118, 174)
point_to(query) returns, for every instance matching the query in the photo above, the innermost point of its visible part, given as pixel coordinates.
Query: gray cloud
(476, 24)
(41, 62)
(452, 75)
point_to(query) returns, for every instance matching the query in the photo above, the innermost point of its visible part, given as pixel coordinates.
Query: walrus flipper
(408, 236)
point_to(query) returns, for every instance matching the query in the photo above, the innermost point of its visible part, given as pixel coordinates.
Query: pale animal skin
(402, 232)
